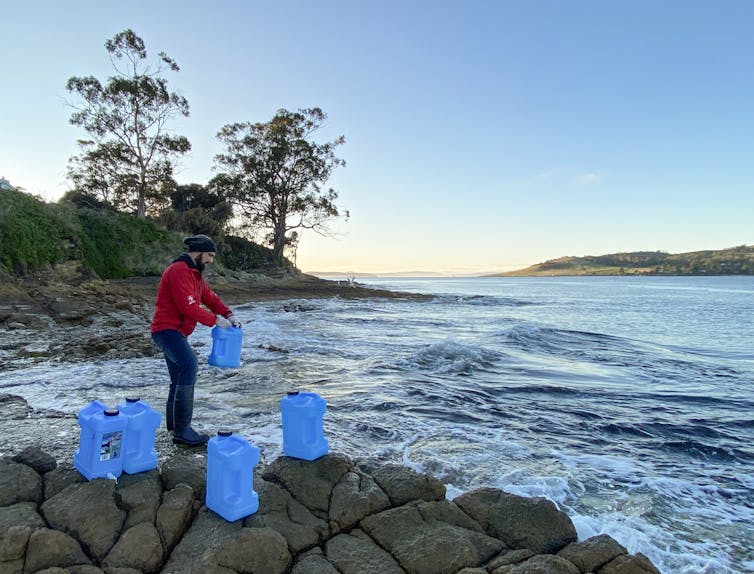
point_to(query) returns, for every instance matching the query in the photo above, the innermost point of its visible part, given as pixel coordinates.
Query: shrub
(31, 234)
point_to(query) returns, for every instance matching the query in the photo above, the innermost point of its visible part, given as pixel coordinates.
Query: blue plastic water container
(139, 454)
(230, 476)
(303, 435)
(100, 451)
(226, 347)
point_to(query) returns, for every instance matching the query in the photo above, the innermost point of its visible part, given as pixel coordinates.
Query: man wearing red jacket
(177, 310)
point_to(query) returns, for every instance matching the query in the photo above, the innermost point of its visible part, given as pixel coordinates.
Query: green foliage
(197, 209)
(116, 245)
(239, 253)
(35, 235)
(31, 234)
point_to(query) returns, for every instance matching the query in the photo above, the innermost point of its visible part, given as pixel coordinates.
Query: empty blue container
(230, 476)
(139, 454)
(303, 435)
(100, 451)
(226, 347)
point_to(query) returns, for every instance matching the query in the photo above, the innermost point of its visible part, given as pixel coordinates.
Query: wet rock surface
(150, 523)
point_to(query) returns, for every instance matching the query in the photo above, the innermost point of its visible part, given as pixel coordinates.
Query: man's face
(205, 258)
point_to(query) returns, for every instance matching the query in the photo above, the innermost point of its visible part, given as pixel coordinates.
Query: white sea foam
(612, 467)
(669, 553)
(451, 356)
(554, 488)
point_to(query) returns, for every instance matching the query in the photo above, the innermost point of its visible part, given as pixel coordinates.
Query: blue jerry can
(139, 454)
(226, 347)
(303, 434)
(230, 476)
(100, 450)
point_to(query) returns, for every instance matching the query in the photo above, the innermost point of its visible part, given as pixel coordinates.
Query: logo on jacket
(191, 300)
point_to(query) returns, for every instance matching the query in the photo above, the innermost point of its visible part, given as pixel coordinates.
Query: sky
(481, 135)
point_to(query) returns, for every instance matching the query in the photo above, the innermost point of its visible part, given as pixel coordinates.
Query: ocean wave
(482, 300)
(451, 357)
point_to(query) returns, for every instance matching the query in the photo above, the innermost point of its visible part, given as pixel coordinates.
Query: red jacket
(177, 305)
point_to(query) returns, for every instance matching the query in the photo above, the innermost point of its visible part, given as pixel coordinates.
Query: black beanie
(200, 244)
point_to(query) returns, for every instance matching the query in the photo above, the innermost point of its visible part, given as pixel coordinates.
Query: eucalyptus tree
(276, 175)
(130, 154)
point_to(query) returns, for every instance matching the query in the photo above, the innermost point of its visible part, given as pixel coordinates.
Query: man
(177, 310)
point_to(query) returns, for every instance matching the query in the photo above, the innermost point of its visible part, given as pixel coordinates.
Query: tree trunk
(278, 245)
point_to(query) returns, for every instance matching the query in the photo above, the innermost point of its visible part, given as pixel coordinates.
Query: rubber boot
(183, 409)
(170, 408)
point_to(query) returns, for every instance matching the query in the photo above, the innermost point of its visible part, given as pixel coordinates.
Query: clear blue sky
(480, 135)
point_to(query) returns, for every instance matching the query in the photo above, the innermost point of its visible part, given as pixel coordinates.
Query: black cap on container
(133, 399)
(224, 432)
(292, 393)
(112, 412)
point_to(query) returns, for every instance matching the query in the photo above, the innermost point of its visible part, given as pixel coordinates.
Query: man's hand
(235, 321)
(221, 321)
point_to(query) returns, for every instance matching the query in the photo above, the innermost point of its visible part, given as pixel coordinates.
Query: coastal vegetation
(733, 261)
(105, 243)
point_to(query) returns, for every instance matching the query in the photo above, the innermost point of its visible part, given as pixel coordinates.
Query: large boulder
(278, 510)
(21, 514)
(19, 483)
(88, 512)
(48, 548)
(403, 484)
(60, 478)
(196, 551)
(84, 569)
(140, 496)
(356, 553)
(540, 564)
(139, 548)
(355, 496)
(532, 523)
(431, 537)
(255, 551)
(508, 557)
(174, 515)
(309, 482)
(34, 457)
(592, 553)
(185, 469)
(312, 562)
(13, 542)
(634, 564)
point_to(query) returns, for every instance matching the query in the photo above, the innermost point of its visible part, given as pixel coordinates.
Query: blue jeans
(182, 366)
(179, 356)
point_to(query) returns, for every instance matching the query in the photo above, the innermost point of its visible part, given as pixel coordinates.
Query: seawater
(627, 401)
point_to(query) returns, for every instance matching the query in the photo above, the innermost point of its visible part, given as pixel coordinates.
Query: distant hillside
(733, 261)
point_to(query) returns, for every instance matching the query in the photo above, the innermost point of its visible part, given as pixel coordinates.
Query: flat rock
(88, 512)
(19, 483)
(403, 484)
(520, 522)
(309, 482)
(281, 512)
(356, 553)
(34, 457)
(592, 553)
(255, 551)
(355, 496)
(48, 548)
(431, 537)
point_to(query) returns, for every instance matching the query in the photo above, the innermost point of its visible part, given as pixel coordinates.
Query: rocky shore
(329, 516)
